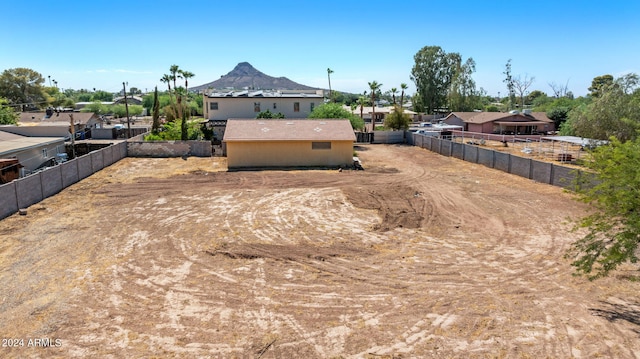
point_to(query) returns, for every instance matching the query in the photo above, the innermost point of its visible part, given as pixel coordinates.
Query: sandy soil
(419, 255)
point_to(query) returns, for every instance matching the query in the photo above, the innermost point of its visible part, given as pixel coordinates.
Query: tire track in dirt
(299, 271)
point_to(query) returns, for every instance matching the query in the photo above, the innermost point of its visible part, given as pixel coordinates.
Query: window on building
(213, 105)
(296, 107)
(256, 107)
(320, 145)
(312, 106)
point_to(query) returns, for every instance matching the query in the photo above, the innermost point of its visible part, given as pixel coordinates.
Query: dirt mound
(399, 206)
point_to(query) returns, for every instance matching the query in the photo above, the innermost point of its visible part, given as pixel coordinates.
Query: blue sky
(100, 44)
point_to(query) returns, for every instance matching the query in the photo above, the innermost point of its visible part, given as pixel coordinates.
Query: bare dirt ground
(419, 255)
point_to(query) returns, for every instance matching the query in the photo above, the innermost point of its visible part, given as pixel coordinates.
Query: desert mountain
(246, 76)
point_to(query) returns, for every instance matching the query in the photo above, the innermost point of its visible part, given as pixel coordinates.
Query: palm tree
(174, 70)
(362, 100)
(167, 78)
(186, 75)
(329, 72)
(403, 87)
(393, 92)
(374, 86)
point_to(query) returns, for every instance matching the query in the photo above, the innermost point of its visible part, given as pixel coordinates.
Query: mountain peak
(244, 75)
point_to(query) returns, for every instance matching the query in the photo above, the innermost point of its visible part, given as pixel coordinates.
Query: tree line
(24, 89)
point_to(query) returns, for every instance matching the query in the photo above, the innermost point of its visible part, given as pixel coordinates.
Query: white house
(247, 104)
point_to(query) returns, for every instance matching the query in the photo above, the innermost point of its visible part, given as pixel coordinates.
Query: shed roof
(11, 143)
(576, 140)
(57, 119)
(288, 130)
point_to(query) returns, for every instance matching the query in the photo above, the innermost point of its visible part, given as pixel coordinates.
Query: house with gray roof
(511, 123)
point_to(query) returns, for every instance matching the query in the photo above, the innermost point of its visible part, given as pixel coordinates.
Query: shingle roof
(289, 130)
(484, 117)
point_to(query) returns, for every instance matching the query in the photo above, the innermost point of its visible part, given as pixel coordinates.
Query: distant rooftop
(269, 93)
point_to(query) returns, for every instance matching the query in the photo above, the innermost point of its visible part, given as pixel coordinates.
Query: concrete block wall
(29, 190)
(471, 154)
(564, 177)
(457, 150)
(169, 149)
(501, 161)
(544, 172)
(32, 189)
(8, 199)
(445, 147)
(84, 166)
(520, 166)
(541, 171)
(485, 157)
(51, 180)
(388, 136)
(70, 173)
(97, 161)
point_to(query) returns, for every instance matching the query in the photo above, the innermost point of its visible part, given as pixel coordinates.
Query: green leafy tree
(558, 115)
(8, 116)
(433, 73)
(462, 94)
(120, 110)
(613, 226)
(103, 96)
(83, 97)
(416, 101)
(539, 101)
(156, 112)
(269, 114)
(397, 119)
(96, 107)
(68, 103)
(335, 110)
(599, 83)
(23, 86)
(615, 111)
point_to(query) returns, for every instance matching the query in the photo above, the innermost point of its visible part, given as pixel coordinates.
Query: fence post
(41, 185)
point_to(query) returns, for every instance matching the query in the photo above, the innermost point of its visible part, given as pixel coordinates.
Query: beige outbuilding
(265, 143)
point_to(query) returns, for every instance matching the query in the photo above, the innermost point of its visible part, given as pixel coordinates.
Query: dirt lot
(419, 255)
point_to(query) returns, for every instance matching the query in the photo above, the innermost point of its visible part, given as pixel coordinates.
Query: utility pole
(73, 136)
(126, 107)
